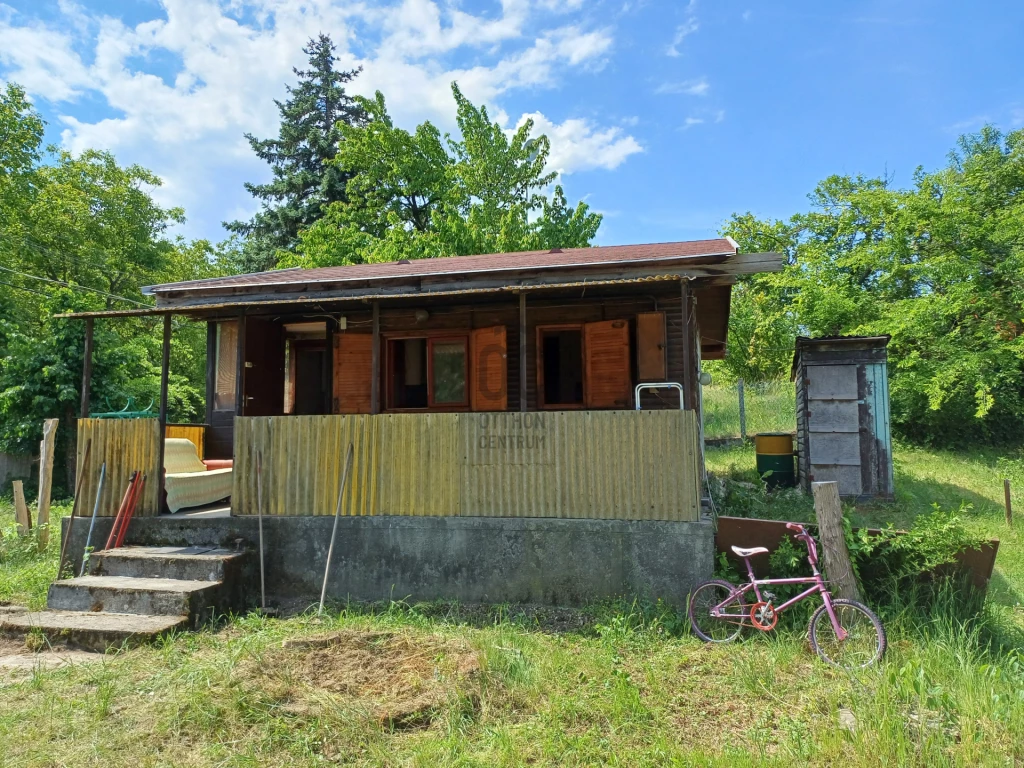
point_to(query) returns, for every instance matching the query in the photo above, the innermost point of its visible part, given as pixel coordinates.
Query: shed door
(263, 382)
(353, 372)
(833, 424)
(489, 369)
(607, 383)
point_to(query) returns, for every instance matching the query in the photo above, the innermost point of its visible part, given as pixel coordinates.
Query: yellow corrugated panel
(194, 432)
(125, 445)
(303, 457)
(418, 464)
(624, 465)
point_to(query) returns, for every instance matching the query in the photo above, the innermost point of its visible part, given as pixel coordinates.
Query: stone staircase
(135, 594)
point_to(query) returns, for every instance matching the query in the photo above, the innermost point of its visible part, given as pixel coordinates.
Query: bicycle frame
(755, 584)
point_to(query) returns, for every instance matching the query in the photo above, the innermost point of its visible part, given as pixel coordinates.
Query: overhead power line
(75, 287)
(27, 290)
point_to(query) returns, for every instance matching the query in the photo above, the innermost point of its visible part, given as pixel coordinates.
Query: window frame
(431, 337)
(542, 405)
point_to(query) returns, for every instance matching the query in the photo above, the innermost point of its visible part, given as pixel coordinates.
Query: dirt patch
(402, 681)
(19, 659)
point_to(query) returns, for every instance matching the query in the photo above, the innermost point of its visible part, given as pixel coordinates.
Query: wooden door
(488, 374)
(264, 368)
(607, 382)
(353, 372)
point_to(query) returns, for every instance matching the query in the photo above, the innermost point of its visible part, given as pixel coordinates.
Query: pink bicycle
(843, 633)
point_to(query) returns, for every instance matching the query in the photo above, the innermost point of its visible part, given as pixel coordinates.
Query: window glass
(226, 361)
(448, 372)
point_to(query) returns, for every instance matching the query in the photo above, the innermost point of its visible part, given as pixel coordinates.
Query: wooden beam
(211, 370)
(87, 369)
(165, 370)
(375, 361)
(522, 352)
(689, 360)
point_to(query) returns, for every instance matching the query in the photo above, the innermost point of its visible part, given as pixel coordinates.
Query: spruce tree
(305, 180)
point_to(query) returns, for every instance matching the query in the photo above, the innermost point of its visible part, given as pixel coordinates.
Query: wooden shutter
(488, 374)
(650, 346)
(353, 372)
(606, 381)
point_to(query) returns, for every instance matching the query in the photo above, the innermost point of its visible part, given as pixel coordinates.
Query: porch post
(165, 366)
(240, 369)
(522, 351)
(689, 361)
(375, 361)
(87, 369)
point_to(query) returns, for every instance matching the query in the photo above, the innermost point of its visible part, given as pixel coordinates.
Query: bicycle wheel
(865, 637)
(712, 629)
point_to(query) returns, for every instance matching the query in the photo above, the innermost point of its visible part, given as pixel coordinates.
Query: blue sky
(665, 116)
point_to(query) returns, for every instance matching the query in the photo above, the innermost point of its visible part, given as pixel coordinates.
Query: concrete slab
(96, 631)
(18, 661)
(196, 563)
(142, 596)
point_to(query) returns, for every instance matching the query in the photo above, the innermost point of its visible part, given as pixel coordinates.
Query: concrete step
(197, 600)
(189, 563)
(94, 631)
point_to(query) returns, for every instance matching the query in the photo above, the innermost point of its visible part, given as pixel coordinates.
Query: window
(429, 372)
(561, 366)
(584, 365)
(226, 371)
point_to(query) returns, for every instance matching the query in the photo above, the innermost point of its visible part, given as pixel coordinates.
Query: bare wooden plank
(21, 513)
(46, 450)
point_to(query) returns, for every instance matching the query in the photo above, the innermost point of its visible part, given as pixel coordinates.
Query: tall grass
(770, 407)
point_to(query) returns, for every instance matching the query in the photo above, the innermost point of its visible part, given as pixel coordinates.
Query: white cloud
(704, 116)
(698, 87)
(684, 30)
(222, 62)
(576, 145)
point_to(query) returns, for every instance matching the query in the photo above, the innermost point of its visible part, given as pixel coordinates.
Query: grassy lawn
(620, 684)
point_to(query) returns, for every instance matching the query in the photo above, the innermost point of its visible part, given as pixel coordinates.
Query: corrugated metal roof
(462, 265)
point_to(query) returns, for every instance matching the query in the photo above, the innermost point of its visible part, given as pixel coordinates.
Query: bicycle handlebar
(795, 527)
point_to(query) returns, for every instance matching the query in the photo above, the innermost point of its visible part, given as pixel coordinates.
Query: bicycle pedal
(768, 596)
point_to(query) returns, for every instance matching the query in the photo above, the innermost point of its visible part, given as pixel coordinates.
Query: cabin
(524, 426)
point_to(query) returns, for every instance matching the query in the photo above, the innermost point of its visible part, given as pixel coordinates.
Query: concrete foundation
(466, 559)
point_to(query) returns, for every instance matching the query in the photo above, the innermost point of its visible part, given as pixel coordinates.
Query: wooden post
(86, 369)
(21, 513)
(240, 368)
(522, 351)
(689, 363)
(743, 410)
(375, 361)
(1009, 504)
(45, 481)
(839, 569)
(165, 370)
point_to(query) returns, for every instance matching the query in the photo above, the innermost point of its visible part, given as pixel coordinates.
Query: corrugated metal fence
(125, 445)
(624, 465)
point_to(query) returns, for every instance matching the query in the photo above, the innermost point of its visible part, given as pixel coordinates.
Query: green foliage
(78, 233)
(305, 179)
(424, 195)
(936, 266)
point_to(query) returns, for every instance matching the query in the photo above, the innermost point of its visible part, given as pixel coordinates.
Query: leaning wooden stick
(74, 506)
(259, 514)
(334, 531)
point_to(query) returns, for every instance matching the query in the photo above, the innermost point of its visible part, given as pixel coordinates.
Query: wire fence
(738, 410)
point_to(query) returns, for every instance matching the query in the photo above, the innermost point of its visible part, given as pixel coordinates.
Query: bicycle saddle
(741, 552)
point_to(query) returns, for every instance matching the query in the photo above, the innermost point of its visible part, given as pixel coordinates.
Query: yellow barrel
(774, 454)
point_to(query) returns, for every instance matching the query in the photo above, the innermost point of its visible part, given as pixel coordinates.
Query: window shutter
(650, 346)
(607, 381)
(353, 372)
(489, 370)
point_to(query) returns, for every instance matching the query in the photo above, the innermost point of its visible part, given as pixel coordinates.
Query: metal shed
(842, 416)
